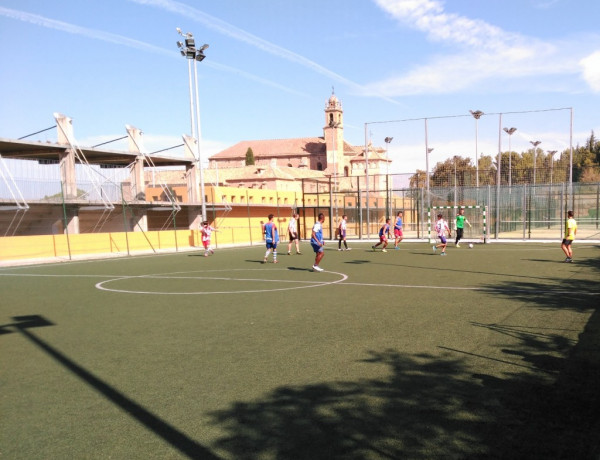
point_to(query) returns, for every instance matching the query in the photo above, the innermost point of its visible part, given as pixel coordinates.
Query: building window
(346, 172)
(319, 166)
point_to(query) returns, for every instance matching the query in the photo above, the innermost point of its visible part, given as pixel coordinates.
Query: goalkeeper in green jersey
(461, 220)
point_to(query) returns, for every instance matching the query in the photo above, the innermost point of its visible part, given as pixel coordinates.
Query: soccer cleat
(265, 260)
(434, 248)
(289, 253)
(373, 248)
(317, 268)
(443, 254)
(396, 248)
(457, 245)
(298, 253)
(383, 250)
(339, 249)
(348, 249)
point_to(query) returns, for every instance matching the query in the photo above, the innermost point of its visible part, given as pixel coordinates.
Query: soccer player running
(206, 231)
(441, 226)
(384, 233)
(570, 232)
(398, 230)
(461, 220)
(342, 233)
(271, 238)
(293, 234)
(317, 242)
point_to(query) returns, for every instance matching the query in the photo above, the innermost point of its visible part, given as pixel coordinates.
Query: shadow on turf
(168, 433)
(546, 406)
(428, 407)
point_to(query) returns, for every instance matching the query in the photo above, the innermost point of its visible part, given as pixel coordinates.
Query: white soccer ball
(470, 245)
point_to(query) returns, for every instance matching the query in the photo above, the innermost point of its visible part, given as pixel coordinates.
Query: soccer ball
(470, 245)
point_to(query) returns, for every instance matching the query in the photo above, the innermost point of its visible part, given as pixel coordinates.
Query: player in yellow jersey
(570, 232)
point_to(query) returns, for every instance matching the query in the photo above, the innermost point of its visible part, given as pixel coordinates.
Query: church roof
(274, 147)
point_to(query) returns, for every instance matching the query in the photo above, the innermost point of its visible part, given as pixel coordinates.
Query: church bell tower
(334, 135)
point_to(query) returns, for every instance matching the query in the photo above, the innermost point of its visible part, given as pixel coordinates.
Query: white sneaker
(348, 249)
(457, 245)
(317, 268)
(434, 249)
(339, 249)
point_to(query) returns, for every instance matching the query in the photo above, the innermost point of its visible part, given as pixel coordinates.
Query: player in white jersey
(206, 231)
(293, 234)
(441, 227)
(342, 233)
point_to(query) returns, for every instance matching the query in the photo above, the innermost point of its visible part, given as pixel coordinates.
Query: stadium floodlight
(190, 52)
(477, 115)
(535, 144)
(510, 132)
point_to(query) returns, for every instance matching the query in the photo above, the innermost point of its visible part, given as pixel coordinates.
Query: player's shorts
(397, 232)
(383, 238)
(293, 236)
(442, 239)
(271, 245)
(316, 247)
(567, 242)
(342, 234)
(206, 244)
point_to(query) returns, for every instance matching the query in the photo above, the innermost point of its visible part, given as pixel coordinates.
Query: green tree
(249, 157)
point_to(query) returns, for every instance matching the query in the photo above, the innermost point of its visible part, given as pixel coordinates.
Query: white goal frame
(484, 213)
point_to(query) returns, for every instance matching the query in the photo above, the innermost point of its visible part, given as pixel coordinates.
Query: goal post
(476, 215)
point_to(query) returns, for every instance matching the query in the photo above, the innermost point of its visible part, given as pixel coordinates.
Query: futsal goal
(476, 215)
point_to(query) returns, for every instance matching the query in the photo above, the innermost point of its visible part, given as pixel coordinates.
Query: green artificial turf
(490, 352)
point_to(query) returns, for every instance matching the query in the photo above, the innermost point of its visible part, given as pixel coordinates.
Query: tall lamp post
(189, 51)
(535, 144)
(388, 140)
(477, 115)
(510, 132)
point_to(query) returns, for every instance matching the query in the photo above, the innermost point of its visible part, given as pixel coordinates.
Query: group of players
(271, 236)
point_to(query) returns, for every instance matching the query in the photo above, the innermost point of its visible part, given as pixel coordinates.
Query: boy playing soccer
(570, 232)
(460, 225)
(293, 234)
(271, 238)
(342, 233)
(441, 226)
(317, 242)
(398, 230)
(384, 233)
(206, 231)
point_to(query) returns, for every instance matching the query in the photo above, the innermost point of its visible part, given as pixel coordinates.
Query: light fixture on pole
(387, 141)
(190, 52)
(535, 144)
(510, 132)
(477, 115)
(551, 153)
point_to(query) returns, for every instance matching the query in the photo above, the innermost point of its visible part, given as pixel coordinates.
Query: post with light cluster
(535, 144)
(510, 132)
(387, 141)
(477, 115)
(189, 51)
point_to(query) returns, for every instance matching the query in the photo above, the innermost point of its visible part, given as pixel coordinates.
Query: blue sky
(271, 67)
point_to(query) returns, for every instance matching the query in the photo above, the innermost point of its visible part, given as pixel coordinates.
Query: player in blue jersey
(317, 242)
(384, 234)
(271, 238)
(398, 230)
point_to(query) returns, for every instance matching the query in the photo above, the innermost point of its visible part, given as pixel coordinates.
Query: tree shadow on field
(428, 407)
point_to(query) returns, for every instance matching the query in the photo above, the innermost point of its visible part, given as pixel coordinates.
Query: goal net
(476, 215)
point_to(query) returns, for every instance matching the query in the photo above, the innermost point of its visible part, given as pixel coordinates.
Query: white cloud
(591, 70)
(483, 53)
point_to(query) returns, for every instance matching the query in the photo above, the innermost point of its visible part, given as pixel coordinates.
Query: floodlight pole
(387, 141)
(367, 176)
(190, 52)
(510, 132)
(477, 115)
(428, 150)
(535, 144)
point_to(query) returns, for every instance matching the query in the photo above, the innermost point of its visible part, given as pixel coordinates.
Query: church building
(292, 159)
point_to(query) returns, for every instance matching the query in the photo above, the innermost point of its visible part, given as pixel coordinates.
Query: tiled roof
(274, 147)
(259, 173)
